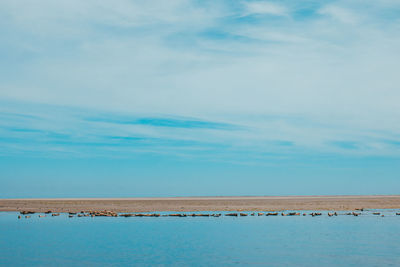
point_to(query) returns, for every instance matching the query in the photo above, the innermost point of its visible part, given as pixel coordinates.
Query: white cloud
(341, 14)
(181, 59)
(265, 8)
(74, 18)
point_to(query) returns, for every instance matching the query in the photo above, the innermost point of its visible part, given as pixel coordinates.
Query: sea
(343, 240)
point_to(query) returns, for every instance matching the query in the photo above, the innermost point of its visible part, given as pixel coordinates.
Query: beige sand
(204, 203)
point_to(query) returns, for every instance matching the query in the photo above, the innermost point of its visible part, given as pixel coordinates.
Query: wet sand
(267, 203)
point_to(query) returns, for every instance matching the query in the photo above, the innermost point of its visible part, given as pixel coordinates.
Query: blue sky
(179, 97)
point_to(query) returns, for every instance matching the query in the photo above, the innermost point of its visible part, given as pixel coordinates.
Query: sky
(199, 98)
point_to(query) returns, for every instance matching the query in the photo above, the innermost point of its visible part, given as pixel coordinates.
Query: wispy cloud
(340, 14)
(345, 144)
(256, 76)
(265, 8)
(90, 133)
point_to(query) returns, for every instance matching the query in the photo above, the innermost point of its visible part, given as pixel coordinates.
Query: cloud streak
(166, 122)
(90, 133)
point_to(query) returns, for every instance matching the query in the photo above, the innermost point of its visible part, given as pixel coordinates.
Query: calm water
(366, 240)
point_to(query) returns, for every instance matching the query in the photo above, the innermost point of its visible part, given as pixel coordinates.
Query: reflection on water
(365, 240)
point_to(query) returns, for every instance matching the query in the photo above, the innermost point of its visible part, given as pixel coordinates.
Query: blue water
(366, 240)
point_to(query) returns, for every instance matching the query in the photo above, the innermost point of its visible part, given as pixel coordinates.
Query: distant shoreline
(186, 204)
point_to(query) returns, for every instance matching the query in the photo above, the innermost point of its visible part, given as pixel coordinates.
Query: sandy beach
(267, 203)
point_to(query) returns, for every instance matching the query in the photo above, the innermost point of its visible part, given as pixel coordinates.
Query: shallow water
(366, 240)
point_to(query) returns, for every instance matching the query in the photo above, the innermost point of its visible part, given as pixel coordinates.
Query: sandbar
(186, 204)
